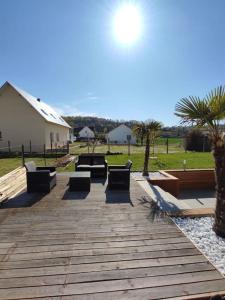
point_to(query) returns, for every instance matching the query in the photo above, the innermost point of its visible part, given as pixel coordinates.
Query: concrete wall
(119, 135)
(19, 123)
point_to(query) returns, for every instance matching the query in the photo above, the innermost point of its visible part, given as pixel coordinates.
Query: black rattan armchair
(40, 179)
(119, 176)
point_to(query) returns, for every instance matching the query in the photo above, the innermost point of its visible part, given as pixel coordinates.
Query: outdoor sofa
(95, 163)
(119, 176)
(40, 179)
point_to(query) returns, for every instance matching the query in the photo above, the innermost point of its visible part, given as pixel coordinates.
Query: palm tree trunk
(147, 146)
(219, 223)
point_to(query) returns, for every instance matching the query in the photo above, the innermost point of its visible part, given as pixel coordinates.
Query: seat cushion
(98, 167)
(83, 166)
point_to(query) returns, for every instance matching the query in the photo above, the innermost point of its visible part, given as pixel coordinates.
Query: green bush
(195, 140)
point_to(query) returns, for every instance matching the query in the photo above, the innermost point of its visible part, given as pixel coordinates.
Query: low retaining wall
(167, 182)
(194, 179)
(173, 181)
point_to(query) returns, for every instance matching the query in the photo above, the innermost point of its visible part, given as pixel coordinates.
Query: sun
(127, 24)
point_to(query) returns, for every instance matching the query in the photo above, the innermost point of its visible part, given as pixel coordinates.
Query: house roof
(86, 128)
(78, 129)
(46, 111)
(120, 126)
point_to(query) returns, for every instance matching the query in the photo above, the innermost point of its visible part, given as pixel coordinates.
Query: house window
(44, 112)
(0, 136)
(53, 116)
(51, 137)
(57, 137)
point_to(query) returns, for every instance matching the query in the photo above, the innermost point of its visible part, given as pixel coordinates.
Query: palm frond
(207, 111)
(192, 110)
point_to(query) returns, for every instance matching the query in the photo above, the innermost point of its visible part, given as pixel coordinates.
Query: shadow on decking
(159, 206)
(117, 197)
(83, 195)
(22, 200)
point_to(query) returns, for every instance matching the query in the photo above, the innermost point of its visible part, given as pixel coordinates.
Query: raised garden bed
(173, 181)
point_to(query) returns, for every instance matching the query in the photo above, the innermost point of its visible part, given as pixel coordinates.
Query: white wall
(60, 135)
(19, 123)
(86, 132)
(119, 135)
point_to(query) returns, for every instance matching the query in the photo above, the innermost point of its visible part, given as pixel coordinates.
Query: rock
(199, 230)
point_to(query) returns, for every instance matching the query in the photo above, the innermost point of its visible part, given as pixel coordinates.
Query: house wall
(86, 133)
(119, 135)
(19, 123)
(59, 133)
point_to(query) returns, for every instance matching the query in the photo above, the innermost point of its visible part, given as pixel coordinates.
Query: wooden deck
(100, 245)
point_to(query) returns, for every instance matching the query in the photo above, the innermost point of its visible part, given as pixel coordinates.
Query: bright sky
(66, 53)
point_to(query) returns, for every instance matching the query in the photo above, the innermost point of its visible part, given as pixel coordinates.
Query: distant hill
(101, 125)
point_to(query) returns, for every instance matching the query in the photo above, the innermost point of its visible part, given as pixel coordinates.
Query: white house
(86, 133)
(25, 119)
(120, 135)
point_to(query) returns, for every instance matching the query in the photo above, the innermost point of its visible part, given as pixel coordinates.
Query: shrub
(195, 140)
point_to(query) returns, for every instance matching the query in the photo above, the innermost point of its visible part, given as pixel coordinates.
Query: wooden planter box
(173, 181)
(167, 182)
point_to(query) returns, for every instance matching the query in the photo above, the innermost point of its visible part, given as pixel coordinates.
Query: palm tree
(209, 112)
(151, 129)
(139, 130)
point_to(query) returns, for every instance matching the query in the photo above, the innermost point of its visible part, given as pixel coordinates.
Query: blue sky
(64, 52)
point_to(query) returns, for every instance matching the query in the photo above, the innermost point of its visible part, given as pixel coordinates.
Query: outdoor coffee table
(80, 181)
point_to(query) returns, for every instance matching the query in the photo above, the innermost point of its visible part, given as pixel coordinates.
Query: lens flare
(127, 24)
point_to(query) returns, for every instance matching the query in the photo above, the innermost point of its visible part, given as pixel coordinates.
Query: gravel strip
(199, 230)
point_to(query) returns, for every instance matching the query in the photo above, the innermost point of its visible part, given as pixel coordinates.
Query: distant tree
(152, 128)
(139, 131)
(210, 112)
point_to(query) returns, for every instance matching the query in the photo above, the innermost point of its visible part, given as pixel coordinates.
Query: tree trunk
(147, 146)
(219, 224)
(142, 139)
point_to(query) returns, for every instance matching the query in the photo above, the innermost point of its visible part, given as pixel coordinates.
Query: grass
(175, 145)
(195, 160)
(9, 164)
(173, 160)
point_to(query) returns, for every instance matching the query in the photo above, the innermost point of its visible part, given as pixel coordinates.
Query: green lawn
(195, 160)
(9, 164)
(175, 145)
(160, 161)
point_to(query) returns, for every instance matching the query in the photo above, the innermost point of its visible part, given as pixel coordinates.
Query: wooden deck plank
(139, 283)
(66, 247)
(94, 267)
(107, 286)
(78, 257)
(164, 292)
(101, 245)
(102, 276)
